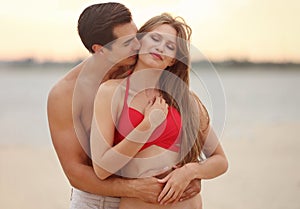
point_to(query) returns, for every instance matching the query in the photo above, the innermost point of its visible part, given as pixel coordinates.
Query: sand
(31, 177)
(263, 173)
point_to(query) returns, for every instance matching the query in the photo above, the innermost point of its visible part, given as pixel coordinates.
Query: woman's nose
(160, 47)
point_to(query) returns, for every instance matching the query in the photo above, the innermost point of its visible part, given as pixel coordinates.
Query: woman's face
(158, 47)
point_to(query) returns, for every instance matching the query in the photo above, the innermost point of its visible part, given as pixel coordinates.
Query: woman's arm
(178, 180)
(214, 165)
(108, 159)
(216, 162)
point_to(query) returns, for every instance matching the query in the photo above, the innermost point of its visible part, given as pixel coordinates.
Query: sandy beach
(261, 175)
(31, 177)
(261, 140)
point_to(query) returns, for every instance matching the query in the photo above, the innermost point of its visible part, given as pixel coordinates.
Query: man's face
(125, 48)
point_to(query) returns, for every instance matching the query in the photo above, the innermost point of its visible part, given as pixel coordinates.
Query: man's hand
(147, 189)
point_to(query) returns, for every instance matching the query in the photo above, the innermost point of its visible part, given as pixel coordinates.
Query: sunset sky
(257, 30)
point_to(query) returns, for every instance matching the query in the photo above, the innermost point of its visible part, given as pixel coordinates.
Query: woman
(150, 122)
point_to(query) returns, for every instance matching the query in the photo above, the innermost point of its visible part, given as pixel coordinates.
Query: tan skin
(177, 180)
(74, 160)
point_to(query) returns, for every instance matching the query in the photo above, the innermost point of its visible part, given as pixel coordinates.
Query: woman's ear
(97, 48)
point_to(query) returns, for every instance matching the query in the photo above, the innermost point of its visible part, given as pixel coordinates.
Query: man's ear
(97, 48)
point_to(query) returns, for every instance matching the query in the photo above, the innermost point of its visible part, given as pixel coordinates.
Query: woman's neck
(144, 77)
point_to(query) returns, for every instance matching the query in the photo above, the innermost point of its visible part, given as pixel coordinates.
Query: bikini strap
(126, 92)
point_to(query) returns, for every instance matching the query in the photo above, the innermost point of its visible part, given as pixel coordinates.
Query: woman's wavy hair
(177, 92)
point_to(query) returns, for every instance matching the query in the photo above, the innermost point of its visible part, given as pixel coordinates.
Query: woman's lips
(158, 56)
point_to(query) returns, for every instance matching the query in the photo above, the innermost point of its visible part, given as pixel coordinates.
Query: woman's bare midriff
(158, 162)
(134, 203)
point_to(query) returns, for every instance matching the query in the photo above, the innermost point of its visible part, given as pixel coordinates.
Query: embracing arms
(108, 159)
(74, 160)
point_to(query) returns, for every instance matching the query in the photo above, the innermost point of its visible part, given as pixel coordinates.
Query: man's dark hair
(97, 22)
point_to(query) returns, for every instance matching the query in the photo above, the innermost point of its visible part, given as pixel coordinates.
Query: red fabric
(167, 135)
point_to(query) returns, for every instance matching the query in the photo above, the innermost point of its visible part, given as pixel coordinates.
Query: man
(108, 32)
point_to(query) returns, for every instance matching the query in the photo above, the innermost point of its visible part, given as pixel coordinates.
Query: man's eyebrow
(128, 40)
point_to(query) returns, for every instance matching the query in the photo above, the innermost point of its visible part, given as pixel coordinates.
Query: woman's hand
(156, 111)
(176, 183)
(192, 189)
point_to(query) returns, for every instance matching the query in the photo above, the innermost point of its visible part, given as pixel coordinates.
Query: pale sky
(257, 30)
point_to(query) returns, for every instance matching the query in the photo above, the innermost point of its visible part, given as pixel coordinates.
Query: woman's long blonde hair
(176, 91)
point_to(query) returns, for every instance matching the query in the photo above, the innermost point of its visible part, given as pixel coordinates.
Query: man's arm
(76, 163)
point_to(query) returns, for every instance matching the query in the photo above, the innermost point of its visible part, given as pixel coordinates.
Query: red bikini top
(166, 135)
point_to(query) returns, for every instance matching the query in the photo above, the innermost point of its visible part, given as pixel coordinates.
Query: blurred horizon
(31, 63)
(240, 30)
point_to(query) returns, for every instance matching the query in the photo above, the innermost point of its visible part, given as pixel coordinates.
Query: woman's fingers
(165, 179)
(156, 111)
(187, 194)
(163, 192)
(178, 197)
(167, 197)
(172, 196)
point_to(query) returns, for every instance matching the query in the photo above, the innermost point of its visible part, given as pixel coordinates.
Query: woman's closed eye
(155, 38)
(172, 47)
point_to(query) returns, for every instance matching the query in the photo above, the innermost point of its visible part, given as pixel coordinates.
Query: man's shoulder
(64, 87)
(61, 89)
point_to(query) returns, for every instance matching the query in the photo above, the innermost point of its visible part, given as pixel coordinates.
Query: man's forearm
(83, 177)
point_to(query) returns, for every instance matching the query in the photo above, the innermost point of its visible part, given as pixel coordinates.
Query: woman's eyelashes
(171, 47)
(157, 38)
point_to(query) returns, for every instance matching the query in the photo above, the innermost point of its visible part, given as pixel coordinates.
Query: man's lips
(156, 55)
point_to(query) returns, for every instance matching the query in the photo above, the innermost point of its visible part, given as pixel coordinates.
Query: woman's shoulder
(111, 84)
(110, 87)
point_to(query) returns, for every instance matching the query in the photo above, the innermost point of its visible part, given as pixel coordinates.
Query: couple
(133, 115)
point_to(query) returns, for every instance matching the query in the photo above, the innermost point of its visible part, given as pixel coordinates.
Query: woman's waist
(134, 203)
(151, 162)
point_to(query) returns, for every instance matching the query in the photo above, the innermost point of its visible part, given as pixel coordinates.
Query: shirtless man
(70, 107)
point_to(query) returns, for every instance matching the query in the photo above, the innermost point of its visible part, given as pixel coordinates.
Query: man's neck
(95, 69)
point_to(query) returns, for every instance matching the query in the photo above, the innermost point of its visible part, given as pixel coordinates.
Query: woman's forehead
(166, 31)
